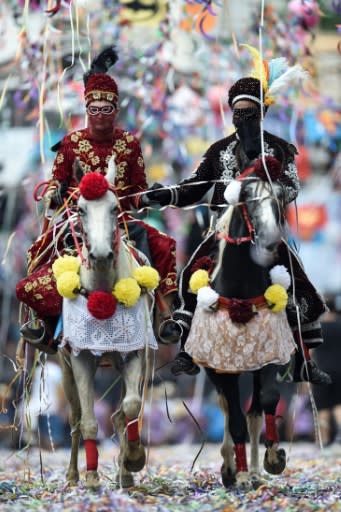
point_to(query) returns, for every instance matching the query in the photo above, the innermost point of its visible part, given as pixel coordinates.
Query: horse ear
(77, 170)
(111, 172)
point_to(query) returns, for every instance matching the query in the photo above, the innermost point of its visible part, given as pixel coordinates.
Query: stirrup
(39, 338)
(170, 332)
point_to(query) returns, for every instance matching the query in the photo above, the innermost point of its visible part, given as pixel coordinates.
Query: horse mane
(222, 226)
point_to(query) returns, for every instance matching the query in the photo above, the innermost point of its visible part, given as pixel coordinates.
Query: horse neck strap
(241, 239)
(247, 172)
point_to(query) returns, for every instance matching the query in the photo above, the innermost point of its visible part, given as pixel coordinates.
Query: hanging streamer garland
(275, 295)
(102, 305)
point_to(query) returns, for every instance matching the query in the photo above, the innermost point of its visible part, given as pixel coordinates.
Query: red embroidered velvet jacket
(94, 156)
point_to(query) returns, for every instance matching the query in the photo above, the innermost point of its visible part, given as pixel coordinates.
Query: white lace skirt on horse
(127, 330)
(216, 342)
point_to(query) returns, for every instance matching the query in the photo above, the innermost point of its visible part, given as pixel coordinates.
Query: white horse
(106, 259)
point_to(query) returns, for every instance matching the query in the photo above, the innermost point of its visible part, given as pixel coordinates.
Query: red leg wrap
(91, 454)
(241, 462)
(271, 432)
(133, 433)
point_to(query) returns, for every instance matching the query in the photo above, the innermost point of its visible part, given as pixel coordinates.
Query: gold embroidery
(84, 146)
(128, 136)
(44, 280)
(120, 145)
(74, 137)
(38, 296)
(140, 161)
(121, 169)
(95, 160)
(60, 158)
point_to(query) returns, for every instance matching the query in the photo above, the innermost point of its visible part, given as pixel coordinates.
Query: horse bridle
(250, 237)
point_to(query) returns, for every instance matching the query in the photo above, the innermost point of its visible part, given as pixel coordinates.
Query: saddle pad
(127, 330)
(217, 342)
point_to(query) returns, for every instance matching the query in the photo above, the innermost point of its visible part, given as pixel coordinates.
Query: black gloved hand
(60, 193)
(159, 194)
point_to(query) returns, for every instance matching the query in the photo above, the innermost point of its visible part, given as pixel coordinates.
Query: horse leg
(84, 368)
(71, 393)
(228, 468)
(124, 477)
(227, 386)
(275, 457)
(254, 420)
(133, 455)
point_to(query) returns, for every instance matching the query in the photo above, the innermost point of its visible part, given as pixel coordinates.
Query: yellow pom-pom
(147, 277)
(68, 283)
(276, 297)
(198, 280)
(127, 291)
(65, 264)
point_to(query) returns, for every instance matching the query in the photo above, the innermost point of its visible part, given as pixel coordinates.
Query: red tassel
(133, 429)
(241, 462)
(91, 454)
(271, 432)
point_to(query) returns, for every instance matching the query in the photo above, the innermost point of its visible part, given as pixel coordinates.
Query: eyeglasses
(106, 110)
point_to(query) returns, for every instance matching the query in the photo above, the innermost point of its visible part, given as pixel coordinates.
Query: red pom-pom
(240, 311)
(273, 165)
(93, 185)
(101, 305)
(203, 263)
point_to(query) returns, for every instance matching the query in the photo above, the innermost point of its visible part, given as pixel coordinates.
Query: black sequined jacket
(225, 160)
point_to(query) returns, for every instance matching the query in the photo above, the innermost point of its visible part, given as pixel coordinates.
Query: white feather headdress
(276, 75)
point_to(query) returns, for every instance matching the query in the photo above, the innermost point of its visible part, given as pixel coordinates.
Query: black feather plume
(102, 63)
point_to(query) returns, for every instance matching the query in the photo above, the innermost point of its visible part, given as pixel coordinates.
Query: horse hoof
(92, 480)
(72, 478)
(135, 465)
(243, 481)
(275, 467)
(256, 481)
(72, 482)
(227, 476)
(125, 481)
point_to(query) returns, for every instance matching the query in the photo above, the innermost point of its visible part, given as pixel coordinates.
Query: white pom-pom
(207, 297)
(280, 275)
(232, 192)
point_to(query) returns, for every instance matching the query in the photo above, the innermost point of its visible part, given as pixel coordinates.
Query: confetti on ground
(311, 482)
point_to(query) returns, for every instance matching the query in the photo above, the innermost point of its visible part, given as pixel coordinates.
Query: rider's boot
(306, 369)
(39, 334)
(183, 363)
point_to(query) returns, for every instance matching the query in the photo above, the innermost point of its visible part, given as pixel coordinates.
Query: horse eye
(81, 211)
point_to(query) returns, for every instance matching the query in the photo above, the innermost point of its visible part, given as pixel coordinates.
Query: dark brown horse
(234, 329)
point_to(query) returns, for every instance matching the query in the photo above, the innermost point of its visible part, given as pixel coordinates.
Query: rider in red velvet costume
(93, 147)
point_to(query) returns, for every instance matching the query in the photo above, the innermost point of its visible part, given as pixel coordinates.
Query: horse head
(264, 204)
(256, 215)
(98, 208)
